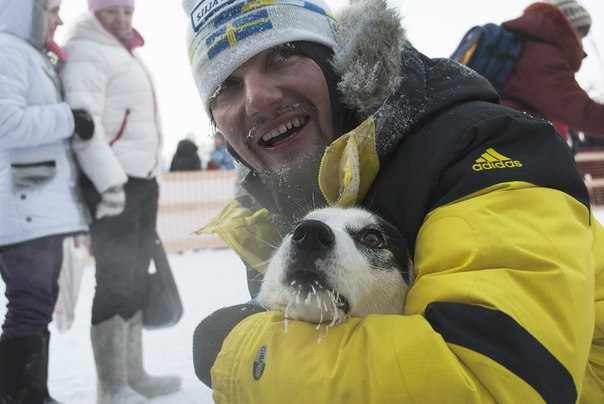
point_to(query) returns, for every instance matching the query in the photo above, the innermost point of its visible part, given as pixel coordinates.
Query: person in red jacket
(543, 80)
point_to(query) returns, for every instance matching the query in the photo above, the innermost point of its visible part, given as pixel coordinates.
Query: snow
(207, 280)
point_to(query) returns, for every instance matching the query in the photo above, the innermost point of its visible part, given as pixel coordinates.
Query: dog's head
(338, 263)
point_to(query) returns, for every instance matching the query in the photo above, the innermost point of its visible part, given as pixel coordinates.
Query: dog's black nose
(313, 235)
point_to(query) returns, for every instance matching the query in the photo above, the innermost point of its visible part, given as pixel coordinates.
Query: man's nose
(261, 92)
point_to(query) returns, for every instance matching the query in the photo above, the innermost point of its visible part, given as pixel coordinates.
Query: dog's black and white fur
(338, 263)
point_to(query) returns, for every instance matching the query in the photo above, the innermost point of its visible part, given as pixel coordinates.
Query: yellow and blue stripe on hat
(224, 34)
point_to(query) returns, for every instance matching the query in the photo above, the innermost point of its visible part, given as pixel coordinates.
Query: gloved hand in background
(84, 124)
(112, 203)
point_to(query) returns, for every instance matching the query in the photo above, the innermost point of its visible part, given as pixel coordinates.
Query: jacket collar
(546, 23)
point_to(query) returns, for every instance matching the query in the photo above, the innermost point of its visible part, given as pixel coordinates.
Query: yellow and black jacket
(508, 302)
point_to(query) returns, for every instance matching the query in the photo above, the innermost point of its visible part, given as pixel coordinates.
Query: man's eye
(283, 53)
(224, 86)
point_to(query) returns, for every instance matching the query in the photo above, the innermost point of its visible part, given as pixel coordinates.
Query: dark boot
(47, 398)
(23, 370)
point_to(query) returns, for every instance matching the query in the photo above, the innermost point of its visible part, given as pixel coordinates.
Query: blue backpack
(490, 50)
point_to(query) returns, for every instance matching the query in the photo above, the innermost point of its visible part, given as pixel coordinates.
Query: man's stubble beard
(297, 178)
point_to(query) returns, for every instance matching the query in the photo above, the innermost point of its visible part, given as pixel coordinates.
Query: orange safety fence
(590, 162)
(189, 199)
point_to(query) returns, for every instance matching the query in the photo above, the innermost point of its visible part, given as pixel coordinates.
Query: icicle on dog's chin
(316, 305)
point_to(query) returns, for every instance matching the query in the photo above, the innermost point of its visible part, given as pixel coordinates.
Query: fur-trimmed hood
(393, 90)
(384, 76)
(367, 57)
(546, 23)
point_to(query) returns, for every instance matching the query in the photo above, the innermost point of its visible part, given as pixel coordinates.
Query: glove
(112, 203)
(210, 334)
(84, 124)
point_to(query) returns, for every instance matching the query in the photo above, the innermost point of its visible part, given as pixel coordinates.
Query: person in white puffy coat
(39, 201)
(105, 75)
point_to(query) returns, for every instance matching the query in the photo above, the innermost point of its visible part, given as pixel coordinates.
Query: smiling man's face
(275, 112)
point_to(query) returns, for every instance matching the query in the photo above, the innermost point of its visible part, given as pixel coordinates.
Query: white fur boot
(139, 380)
(109, 344)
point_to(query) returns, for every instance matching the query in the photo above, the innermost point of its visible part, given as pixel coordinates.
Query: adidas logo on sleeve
(490, 160)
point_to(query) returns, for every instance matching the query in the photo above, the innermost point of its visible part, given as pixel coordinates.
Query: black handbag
(163, 307)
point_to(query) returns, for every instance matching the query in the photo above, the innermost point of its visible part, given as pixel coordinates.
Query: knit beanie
(222, 35)
(578, 16)
(52, 4)
(98, 5)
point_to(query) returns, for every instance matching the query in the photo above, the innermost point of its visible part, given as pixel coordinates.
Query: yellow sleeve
(502, 311)
(593, 387)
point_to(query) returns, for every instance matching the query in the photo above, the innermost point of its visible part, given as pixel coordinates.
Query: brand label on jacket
(260, 362)
(491, 160)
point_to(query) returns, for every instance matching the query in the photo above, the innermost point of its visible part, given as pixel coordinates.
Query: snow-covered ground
(207, 280)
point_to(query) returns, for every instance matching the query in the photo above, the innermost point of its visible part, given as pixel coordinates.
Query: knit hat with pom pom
(576, 14)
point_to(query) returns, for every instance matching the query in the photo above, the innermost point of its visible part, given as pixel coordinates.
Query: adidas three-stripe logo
(490, 160)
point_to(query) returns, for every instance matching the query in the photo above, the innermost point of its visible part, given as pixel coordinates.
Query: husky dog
(338, 263)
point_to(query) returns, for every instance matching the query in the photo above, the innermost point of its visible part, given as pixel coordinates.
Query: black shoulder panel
(503, 146)
(462, 150)
(498, 336)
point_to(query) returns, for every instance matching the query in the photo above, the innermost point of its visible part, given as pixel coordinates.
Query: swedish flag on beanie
(223, 34)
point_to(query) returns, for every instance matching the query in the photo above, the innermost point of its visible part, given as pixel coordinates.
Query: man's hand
(84, 124)
(112, 203)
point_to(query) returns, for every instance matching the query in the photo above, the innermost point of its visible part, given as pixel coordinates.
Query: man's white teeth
(295, 123)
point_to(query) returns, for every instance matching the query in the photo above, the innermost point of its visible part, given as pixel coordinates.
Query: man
(38, 202)
(186, 158)
(543, 80)
(343, 111)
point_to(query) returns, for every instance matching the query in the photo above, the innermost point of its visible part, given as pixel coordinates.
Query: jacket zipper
(155, 113)
(120, 132)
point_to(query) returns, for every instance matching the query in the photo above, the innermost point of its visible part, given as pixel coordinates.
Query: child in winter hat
(578, 16)
(224, 35)
(98, 5)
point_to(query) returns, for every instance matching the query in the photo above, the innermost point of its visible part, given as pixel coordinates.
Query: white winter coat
(103, 77)
(37, 171)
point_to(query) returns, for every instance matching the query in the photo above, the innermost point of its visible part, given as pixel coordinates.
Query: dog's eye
(372, 238)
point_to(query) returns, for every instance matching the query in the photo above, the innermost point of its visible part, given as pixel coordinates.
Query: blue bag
(490, 50)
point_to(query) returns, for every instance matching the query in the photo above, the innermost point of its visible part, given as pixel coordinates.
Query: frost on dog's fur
(338, 263)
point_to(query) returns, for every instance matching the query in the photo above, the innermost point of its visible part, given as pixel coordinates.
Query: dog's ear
(397, 243)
